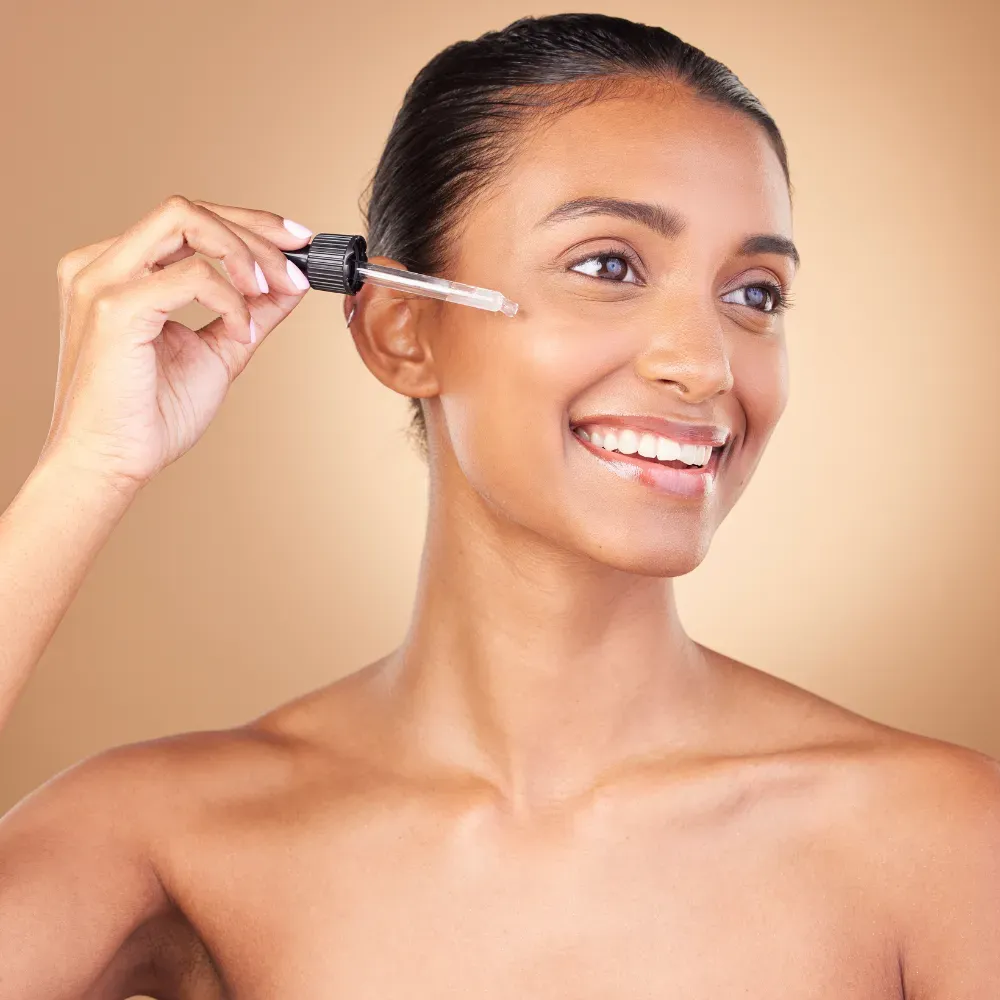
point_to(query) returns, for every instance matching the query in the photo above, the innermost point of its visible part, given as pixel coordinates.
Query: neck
(535, 668)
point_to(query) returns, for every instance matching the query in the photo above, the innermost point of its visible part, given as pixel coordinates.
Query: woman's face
(645, 322)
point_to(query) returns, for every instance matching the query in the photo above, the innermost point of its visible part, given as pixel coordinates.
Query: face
(649, 339)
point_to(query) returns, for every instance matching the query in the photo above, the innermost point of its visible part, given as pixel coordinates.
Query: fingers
(72, 263)
(142, 307)
(283, 233)
(267, 313)
(159, 236)
(267, 235)
(118, 272)
(280, 274)
(185, 251)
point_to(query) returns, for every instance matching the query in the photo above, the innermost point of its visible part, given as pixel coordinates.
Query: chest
(420, 913)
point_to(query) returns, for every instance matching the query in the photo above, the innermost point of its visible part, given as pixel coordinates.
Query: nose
(687, 348)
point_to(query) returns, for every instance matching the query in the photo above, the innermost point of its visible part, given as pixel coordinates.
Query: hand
(135, 390)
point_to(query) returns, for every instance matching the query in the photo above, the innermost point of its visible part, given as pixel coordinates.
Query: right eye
(611, 266)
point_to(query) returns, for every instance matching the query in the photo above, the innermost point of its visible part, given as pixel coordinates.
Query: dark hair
(453, 133)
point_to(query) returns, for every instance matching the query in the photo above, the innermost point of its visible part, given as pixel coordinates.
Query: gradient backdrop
(863, 561)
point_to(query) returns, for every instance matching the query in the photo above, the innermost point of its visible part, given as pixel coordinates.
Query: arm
(49, 536)
(81, 905)
(73, 886)
(76, 885)
(134, 391)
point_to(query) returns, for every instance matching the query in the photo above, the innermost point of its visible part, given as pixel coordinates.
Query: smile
(677, 468)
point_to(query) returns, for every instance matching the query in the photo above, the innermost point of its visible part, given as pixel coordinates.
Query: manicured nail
(253, 331)
(297, 229)
(261, 280)
(298, 278)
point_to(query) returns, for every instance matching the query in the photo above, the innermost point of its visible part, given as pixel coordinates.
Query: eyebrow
(665, 221)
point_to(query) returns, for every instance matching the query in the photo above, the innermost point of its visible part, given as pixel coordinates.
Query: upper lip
(682, 432)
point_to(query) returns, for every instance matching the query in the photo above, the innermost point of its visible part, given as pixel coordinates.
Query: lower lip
(694, 483)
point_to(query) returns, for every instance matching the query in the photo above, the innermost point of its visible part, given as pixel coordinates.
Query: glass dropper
(437, 288)
(339, 263)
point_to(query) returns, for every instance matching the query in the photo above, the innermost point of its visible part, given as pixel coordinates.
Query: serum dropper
(339, 263)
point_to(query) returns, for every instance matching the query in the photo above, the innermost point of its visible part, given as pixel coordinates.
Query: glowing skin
(548, 790)
(539, 550)
(585, 346)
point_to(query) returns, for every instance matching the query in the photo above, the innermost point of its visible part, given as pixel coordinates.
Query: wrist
(73, 475)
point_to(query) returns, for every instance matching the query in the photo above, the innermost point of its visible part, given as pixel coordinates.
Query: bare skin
(548, 789)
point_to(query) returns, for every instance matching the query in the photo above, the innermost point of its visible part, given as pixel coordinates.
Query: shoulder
(917, 818)
(914, 824)
(912, 794)
(934, 835)
(940, 807)
(129, 791)
(929, 799)
(151, 786)
(152, 780)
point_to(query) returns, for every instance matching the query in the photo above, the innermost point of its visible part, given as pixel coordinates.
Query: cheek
(762, 384)
(507, 390)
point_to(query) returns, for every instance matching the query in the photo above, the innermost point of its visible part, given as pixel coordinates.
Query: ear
(390, 332)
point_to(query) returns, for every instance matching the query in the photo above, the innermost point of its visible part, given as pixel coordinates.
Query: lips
(674, 479)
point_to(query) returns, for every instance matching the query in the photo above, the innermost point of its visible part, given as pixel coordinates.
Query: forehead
(660, 144)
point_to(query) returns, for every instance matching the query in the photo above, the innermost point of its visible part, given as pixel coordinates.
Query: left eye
(757, 295)
(606, 265)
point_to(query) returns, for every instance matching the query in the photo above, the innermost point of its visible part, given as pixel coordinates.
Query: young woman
(548, 790)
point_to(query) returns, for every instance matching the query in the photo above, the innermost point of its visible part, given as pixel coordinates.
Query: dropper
(338, 263)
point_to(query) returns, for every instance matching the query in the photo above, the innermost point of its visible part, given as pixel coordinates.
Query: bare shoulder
(158, 784)
(937, 807)
(136, 789)
(923, 815)
(920, 816)
(121, 845)
(904, 770)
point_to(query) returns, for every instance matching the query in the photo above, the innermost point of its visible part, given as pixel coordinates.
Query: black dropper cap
(330, 262)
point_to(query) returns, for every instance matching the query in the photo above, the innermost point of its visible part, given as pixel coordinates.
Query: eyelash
(782, 299)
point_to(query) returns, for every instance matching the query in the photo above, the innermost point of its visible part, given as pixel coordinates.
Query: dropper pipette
(339, 263)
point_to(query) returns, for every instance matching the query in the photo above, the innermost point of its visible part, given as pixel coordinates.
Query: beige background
(863, 561)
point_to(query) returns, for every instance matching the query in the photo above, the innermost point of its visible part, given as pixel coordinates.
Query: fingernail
(298, 278)
(253, 331)
(261, 280)
(297, 229)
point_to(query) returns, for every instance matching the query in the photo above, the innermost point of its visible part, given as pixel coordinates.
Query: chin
(672, 556)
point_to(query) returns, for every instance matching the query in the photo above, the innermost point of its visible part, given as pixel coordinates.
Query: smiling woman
(633, 196)
(458, 128)
(548, 789)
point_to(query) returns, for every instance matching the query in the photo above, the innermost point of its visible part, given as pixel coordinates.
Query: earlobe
(389, 332)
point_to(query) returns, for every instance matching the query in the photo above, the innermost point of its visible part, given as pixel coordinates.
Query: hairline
(614, 85)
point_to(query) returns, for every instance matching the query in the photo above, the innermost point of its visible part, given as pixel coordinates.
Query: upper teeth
(630, 442)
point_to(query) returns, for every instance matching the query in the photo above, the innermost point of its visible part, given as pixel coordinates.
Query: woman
(548, 789)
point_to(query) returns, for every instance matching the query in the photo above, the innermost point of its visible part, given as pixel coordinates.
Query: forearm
(49, 536)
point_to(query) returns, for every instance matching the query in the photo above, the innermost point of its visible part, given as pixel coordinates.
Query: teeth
(667, 450)
(647, 446)
(691, 454)
(629, 442)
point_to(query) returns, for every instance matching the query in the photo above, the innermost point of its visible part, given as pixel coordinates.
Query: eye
(764, 296)
(610, 266)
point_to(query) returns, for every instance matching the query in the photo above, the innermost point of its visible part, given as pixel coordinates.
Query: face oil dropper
(335, 263)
